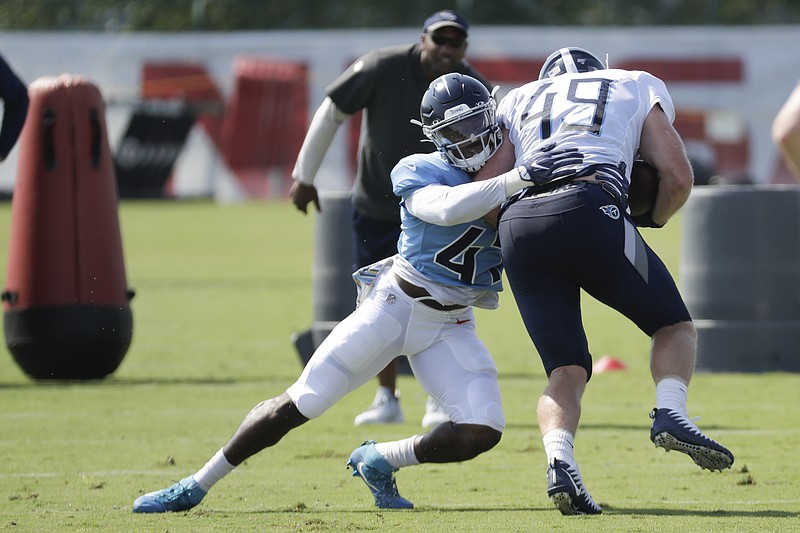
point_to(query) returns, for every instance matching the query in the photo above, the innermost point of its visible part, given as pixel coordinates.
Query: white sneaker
(385, 409)
(435, 413)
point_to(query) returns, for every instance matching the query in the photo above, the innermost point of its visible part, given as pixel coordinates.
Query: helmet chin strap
(470, 164)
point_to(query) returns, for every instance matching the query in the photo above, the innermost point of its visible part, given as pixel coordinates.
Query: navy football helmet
(570, 60)
(458, 115)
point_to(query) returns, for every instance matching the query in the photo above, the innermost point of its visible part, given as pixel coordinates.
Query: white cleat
(435, 413)
(385, 409)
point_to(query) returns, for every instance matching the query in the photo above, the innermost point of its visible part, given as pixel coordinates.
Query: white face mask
(467, 137)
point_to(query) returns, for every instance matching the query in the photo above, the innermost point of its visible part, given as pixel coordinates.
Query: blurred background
(212, 98)
(244, 15)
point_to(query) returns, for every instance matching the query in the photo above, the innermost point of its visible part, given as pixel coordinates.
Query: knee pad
(310, 404)
(321, 385)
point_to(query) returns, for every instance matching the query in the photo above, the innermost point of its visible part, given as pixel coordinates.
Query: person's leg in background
(375, 240)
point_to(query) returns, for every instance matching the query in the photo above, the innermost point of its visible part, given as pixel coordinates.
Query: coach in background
(786, 131)
(14, 94)
(387, 84)
(576, 232)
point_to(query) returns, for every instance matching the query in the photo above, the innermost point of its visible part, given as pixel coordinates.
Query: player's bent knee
(474, 439)
(310, 404)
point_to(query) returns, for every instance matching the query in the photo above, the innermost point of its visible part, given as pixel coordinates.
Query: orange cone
(608, 364)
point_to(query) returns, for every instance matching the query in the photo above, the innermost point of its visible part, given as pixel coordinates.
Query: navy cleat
(566, 490)
(368, 464)
(673, 431)
(181, 496)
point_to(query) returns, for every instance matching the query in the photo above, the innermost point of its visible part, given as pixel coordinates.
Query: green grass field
(221, 289)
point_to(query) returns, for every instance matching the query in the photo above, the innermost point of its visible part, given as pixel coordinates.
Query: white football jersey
(600, 112)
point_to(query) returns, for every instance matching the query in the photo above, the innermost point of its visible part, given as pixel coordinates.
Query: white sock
(215, 469)
(558, 444)
(399, 453)
(672, 393)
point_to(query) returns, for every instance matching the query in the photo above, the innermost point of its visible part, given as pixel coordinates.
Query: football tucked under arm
(642, 193)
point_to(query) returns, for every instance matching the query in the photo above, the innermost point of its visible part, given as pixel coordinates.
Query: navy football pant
(373, 239)
(577, 238)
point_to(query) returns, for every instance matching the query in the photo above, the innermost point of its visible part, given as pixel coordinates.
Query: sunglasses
(441, 40)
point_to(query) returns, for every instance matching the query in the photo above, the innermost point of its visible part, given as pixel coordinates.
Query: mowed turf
(220, 289)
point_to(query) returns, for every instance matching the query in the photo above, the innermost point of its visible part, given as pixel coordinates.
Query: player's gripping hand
(550, 164)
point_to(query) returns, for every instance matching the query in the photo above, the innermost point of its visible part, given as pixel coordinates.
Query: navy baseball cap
(440, 19)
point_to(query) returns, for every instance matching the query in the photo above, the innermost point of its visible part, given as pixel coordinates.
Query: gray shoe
(435, 413)
(385, 409)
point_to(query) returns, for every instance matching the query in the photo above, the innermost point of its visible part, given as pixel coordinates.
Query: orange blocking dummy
(66, 302)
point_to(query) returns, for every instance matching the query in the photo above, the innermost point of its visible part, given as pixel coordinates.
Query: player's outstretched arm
(502, 161)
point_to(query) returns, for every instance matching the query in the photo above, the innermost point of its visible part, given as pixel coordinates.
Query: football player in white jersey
(417, 303)
(576, 233)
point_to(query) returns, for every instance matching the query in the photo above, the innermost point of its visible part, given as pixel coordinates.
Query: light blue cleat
(378, 475)
(181, 496)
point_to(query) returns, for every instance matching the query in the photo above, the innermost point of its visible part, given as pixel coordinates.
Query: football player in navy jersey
(418, 303)
(575, 232)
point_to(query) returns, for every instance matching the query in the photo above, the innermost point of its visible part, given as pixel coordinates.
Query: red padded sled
(66, 302)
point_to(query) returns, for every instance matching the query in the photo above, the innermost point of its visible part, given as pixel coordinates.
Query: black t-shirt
(388, 84)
